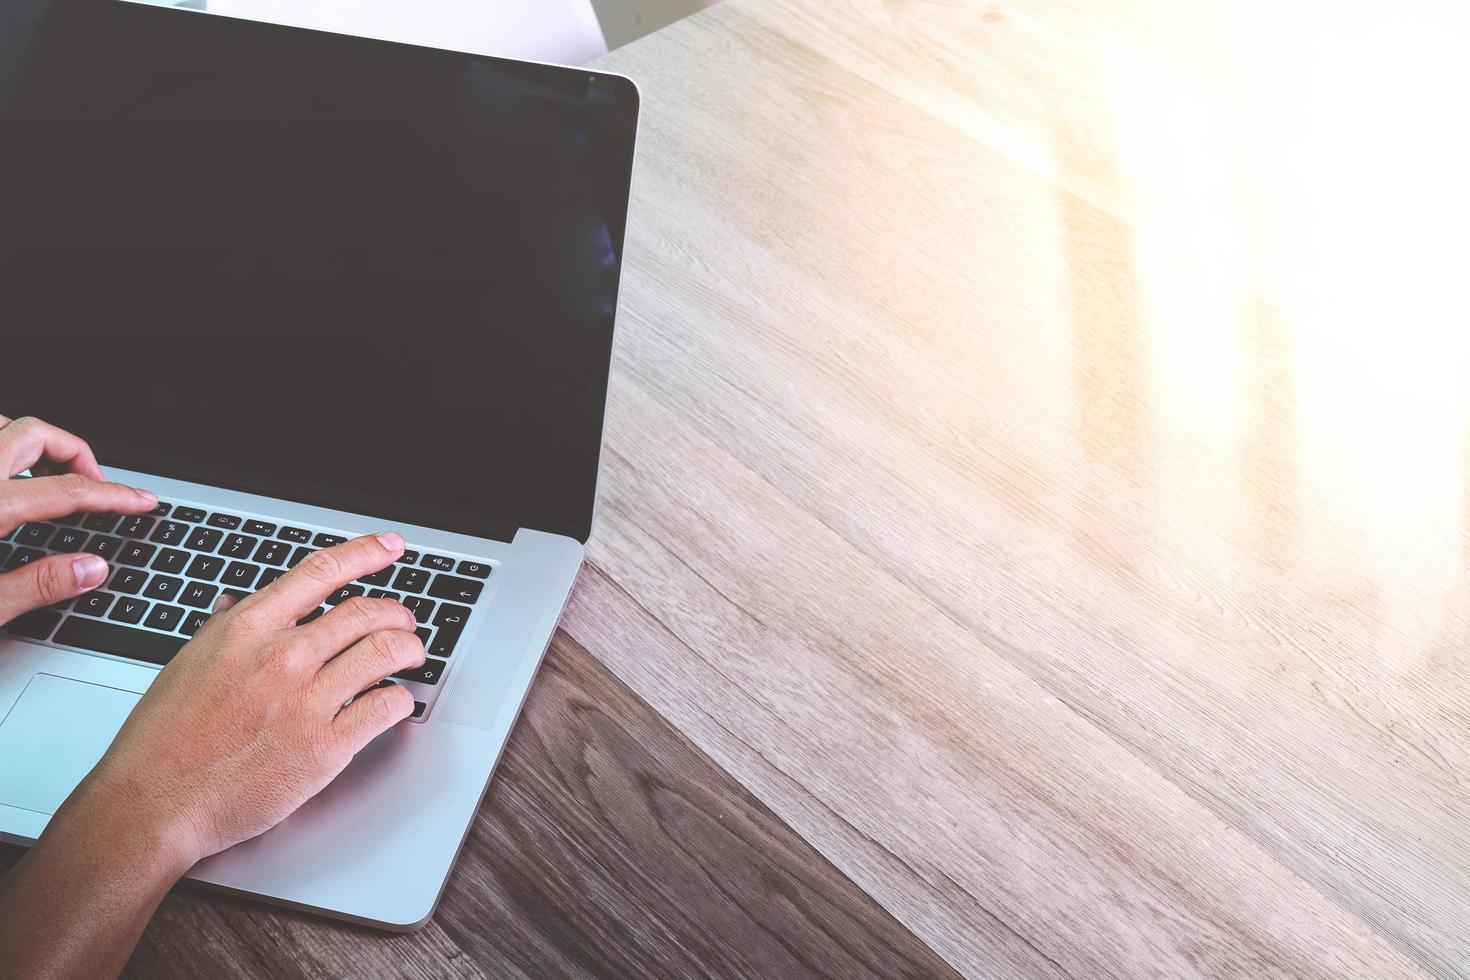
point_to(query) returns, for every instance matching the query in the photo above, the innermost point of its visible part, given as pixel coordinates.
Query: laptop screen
(364, 275)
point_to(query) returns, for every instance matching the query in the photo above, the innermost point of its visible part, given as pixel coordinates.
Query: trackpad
(54, 736)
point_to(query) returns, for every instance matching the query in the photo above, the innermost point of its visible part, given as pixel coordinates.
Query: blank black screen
(366, 275)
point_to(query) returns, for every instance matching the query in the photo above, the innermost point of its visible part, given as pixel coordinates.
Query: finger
(28, 441)
(48, 580)
(308, 585)
(56, 496)
(368, 661)
(344, 625)
(4, 421)
(373, 714)
(222, 603)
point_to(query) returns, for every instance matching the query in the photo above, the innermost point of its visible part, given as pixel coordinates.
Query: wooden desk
(1034, 528)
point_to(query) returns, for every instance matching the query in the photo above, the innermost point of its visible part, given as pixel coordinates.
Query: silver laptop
(304, 286)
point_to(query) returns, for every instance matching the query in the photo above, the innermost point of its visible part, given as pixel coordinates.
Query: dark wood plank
(611, 846)
(608, 846)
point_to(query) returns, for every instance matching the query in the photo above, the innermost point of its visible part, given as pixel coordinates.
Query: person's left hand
(65, 480)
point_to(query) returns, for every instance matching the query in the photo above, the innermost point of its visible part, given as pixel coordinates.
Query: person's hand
(248, 721)
(66, 480)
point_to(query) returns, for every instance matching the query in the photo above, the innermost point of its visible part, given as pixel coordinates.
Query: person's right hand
(66, 480)
(248, 721)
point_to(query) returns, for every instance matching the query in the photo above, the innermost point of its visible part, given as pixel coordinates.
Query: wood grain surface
(1032, 538)
(1037, 468)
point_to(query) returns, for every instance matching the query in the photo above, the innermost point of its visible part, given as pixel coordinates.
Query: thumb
(49, 580)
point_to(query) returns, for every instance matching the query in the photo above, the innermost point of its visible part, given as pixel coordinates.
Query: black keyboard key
(101, 522)
(94, 603)
(420, 607)
(204, 539)
(200, 595)
(237, 546)
(68, 539)
(136, 526)
(452, 616)
(268, 576)
(418, 709)
(408, 558)
(166, 618)
(128, 581)
(299, 535)
(104, 546)
(384, 594)
(312, 616)
(206, 567)
(325, 540)
(162, 509)
(61, 606)
(70, 520)
(429, 673)
(298, 556)
(440, 562)
(170, 532)
(272, 552)
(128, 609)
(193, 620)
(191, 514)
(121, 641)
(378, 578)
(475, 569)
(165, 587)
(170, 561)
(456, 589)
(5, 551)
(445, 637)
(227, 521)
(343, 594)
(260, 528)
(22, 556)
(411, 580)
(34, 535)
(239, 575)
(237, 594)
(34, 625)
(423, 633)
(136, 553)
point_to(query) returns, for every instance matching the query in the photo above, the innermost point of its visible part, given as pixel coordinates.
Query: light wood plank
(931, 381)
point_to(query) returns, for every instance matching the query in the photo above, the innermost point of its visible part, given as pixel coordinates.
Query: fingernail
(90, 570)
(391, 540)
(147, 495)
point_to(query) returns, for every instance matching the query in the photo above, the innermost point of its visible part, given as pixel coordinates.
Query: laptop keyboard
(172, 565)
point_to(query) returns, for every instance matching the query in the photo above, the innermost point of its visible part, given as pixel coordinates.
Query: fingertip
(89, 571)
(391, 541)
(148, 497)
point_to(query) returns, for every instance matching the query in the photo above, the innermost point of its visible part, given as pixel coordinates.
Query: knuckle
(323, 567)
(382, 650)
(52, 580)
(362, 611)
(384, 707)
(280, 659)
(73, 486)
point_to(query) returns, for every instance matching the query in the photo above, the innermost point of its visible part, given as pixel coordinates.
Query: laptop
(304, 287)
